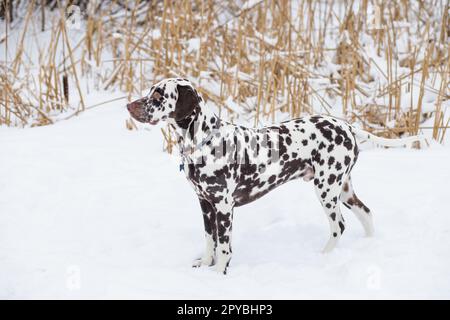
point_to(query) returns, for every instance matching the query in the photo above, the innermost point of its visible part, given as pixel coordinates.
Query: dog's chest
(210, 181)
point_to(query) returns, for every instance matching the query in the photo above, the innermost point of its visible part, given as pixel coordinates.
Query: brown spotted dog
(229, 165)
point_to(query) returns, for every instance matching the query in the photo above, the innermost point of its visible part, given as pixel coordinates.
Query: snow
(89, 209)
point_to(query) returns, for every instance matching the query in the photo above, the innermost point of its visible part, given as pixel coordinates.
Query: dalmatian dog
(230, 165)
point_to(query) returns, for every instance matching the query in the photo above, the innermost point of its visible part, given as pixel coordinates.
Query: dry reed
(269, 58)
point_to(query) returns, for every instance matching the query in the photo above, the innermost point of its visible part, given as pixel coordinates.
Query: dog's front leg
(209, 219)
(224, 220)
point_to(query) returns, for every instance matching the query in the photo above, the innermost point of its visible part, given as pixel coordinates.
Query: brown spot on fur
(354, 201)
(345, 187)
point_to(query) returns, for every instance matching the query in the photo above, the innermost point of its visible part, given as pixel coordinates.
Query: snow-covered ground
(89, 209)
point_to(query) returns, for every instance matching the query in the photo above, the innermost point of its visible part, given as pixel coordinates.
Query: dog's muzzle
(137, 111)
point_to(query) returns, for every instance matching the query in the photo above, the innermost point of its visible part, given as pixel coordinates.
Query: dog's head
(172, 98)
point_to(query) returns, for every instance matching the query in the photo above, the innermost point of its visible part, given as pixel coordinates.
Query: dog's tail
(408, 141)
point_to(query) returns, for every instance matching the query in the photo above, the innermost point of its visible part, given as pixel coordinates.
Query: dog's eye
(156, 96)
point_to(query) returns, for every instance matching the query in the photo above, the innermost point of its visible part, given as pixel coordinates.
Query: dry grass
(266, 58)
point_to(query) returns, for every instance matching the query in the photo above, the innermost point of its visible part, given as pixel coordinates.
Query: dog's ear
(187, 102)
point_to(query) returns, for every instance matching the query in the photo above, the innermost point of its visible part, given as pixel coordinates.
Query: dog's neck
(195, 128)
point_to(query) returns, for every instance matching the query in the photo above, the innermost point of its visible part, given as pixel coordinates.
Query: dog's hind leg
(328, 193)
(209, 219)
(361, 211)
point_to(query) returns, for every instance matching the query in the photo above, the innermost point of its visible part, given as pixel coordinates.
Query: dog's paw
(209, 261)
(221, 270)
(331, 244)
(222, 267)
